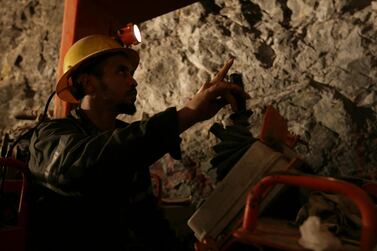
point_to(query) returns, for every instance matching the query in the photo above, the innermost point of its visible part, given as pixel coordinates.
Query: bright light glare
(137, 33)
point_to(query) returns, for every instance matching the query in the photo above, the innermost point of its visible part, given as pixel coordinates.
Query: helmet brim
(64, 85)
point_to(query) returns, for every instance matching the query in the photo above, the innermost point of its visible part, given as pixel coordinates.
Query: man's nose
(130, 81)
(133, 82)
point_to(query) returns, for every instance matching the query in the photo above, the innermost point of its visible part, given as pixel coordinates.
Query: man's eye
(123, 71)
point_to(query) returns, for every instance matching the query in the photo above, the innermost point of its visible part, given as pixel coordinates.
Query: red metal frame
(361, 199)
(13, 238)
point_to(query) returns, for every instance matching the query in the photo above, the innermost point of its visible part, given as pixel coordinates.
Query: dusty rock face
(29, 48)
(315, 61)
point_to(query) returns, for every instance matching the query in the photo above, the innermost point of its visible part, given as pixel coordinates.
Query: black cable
(22, 136)
(30, 131)
(46, 106)
(3, 151)
(9, 151)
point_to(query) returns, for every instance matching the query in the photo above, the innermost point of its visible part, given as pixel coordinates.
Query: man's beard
(125, 108)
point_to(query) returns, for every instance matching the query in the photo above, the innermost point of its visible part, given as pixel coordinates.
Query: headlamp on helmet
(129, 35)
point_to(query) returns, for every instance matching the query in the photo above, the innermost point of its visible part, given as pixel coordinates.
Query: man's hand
(211, 97)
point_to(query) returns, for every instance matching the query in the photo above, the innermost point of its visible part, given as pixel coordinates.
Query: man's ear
(87, 83)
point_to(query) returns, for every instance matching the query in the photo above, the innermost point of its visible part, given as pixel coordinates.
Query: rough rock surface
(29, 48)
(313, 60)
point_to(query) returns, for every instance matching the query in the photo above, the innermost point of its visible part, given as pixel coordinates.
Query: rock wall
(315, 61)
(30, 33)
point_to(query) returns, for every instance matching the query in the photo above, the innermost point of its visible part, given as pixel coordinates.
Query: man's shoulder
(59, 124)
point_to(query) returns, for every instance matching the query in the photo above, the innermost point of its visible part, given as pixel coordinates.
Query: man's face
(117, 86)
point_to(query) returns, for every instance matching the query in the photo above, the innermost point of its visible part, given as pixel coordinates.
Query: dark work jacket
(91, 189)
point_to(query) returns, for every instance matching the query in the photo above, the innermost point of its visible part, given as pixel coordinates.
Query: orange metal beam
(81, 18)
(61, 108)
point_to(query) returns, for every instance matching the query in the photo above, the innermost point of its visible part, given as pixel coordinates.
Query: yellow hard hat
(82, 51)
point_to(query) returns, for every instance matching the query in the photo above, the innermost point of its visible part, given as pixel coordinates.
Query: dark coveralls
(92, 188)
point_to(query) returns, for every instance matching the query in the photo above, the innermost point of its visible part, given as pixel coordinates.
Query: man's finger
(222, 73)
(232, 88)
(204, 86)
(219, 76)
(230, 99)
(228, 92)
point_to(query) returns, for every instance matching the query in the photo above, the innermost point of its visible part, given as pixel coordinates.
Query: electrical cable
(30, 131)
(27, 134)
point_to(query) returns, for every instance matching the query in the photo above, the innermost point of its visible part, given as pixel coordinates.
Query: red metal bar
(13, 184)
(61, 108)
(363, 202)
(14, 237)
(14, 163)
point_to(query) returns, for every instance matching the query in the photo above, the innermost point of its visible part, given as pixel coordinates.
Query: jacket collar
(87, 124)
